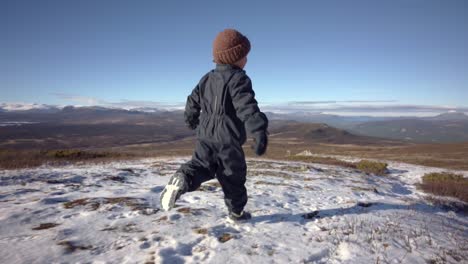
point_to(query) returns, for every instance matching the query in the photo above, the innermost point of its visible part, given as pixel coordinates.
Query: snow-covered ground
(108, 213)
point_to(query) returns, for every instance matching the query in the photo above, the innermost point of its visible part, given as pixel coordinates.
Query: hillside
(444, 128)
(317, 133)
(94, 127)
(109, 213)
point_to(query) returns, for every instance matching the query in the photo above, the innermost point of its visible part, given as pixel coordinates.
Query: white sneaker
(177, 186)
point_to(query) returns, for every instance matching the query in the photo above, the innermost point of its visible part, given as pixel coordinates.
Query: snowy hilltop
(302, 213)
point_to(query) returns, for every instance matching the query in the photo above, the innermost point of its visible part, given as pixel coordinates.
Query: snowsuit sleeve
(243, 99)
(192, 108)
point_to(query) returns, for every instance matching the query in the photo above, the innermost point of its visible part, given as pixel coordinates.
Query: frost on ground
(108, 213)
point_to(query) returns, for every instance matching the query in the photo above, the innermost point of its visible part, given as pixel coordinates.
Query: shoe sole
(170, 194)
(237, 220)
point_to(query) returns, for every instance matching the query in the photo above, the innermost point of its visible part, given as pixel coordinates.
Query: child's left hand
(260, 143)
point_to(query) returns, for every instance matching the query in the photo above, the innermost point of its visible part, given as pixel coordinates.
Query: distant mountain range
(446, 127)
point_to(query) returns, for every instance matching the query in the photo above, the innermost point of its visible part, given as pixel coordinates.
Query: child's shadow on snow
(354, 210)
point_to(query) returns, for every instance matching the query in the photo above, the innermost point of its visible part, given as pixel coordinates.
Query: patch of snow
(343, 252)
(305, 153)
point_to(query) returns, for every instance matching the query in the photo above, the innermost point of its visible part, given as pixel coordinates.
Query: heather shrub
(446, 184)
(374, 167)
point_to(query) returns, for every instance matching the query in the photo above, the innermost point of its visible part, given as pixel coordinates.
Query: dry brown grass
(225, 237)
(16, 159)
(322, 160)
(184, 210)
(446, 184)
(74, 154)
(367, 166)
(449, 156)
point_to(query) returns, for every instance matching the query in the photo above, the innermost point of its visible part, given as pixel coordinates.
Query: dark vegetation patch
(92, 204)
(109, 228)
(161, 219)
(184, 210)
(192, 211)
(43, 226)
(116, 178)
(201, 231)
(129, 170)
(71, 180)
(446, 184)
(74, 154)
(72, 246)
(225, 237)
(366, 189)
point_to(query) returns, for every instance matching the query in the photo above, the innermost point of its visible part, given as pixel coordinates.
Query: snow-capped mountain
(451, 115)
(35, 107)
(11, 107)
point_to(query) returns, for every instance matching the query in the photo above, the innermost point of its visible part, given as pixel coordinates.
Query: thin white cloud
(376, 108)
(337, 102)
(80, 100)
(133, 104)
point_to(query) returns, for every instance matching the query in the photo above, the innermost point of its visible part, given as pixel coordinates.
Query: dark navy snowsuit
(223, 105)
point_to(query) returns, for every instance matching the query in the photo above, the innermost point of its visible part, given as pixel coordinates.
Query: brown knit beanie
(230, 46)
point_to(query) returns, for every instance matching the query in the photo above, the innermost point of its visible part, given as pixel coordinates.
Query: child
(221, 108)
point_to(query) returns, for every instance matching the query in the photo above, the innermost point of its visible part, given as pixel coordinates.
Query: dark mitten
(192, 121)
(260, 143)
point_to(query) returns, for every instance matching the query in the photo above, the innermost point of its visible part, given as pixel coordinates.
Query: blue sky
(92, 52)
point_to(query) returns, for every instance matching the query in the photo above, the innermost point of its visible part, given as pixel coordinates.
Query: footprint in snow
(145, 245)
